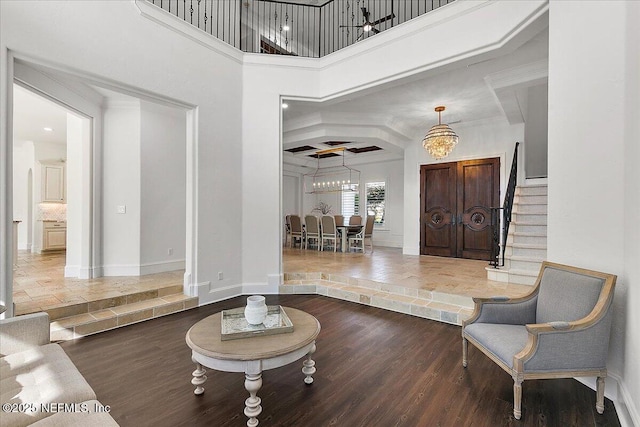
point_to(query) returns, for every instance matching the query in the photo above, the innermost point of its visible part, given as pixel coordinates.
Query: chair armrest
(23, 332)
(581, 344)
(504, 310)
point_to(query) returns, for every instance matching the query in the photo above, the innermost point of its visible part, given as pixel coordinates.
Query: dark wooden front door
(455, 202)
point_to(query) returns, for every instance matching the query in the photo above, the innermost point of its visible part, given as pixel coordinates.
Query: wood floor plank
(374, 368)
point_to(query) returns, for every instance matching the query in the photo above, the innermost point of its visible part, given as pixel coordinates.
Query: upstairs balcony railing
(313, 29)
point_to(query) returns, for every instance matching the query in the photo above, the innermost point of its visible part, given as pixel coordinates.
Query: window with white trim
(350, 203)
(375, 193)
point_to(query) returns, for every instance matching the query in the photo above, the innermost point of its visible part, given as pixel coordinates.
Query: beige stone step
(437, 306)
(116, 315)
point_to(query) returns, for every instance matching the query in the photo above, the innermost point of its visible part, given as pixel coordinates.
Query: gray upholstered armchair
(559, 330)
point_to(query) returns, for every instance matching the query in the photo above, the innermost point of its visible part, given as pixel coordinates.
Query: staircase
(527, 239)
(78, 320)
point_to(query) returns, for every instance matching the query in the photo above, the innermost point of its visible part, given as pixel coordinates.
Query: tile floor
(388, 265)
(39, 284)
(39, 281)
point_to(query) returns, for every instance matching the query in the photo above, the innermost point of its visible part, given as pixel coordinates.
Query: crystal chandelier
(440, 139)
(332, 179)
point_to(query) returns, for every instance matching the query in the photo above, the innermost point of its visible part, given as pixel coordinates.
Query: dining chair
(339, 220)
(328, 231)
(312, 230)
(365, 233)
(355, 220)
(296, 230)
(287, 229)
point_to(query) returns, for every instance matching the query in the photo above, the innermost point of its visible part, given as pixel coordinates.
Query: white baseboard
(407, 250)
(71, 270)
(161, 267)
(615, 390)
(208, 295)
(626, 407)
(259, 289)
(120, 270)
(143, 269)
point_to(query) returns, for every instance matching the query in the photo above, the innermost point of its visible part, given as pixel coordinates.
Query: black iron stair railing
(497, 255)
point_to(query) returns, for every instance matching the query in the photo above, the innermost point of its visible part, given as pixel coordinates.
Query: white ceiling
(32, 113)
(395, 115)
(390, 116)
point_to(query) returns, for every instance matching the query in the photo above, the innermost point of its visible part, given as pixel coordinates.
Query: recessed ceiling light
(285, 28)
(285, 105)
(48, 129)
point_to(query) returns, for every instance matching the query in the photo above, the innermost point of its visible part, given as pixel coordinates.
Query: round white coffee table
(252, 355)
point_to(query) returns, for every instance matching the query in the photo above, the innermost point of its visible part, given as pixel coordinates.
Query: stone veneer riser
(526, 264)
(530, 209)
(523, 227)
(527, 238)
(539, 252)
(92, 322)
(532, 190)
(437, 306)
(530, 199)
(529, 218)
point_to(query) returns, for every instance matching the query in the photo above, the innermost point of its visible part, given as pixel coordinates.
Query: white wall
(23, 162)
(535, 132)
(631, 339)
(121, 188)
(346, 71)
(491, 139)
(153, 64)
(392, 173)
(593, 183)
(163, 188)
(78, 195)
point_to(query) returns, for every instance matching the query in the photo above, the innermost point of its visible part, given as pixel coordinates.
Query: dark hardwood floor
(374, 368)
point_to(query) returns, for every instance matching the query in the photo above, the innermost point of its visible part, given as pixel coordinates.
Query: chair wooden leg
(464, 352)
(600, 395)
(517, 399)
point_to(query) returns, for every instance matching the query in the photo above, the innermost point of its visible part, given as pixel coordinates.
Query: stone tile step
(79, 325)
(452, 310)
(529, 208)
(531, 199)
(530, 217)
(507, 275)
(66, 310)
(532, 189)
(520, 227)
(525, 263)
(527, 238)
(535, 253)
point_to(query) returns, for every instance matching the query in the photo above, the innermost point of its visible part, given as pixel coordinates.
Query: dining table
(345, 231)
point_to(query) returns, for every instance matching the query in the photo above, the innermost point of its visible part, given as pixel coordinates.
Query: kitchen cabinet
(53, 183)
(54, 235)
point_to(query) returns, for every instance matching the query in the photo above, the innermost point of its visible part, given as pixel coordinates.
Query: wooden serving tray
(235, 326)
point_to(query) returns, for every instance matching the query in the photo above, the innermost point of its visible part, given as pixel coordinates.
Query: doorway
(455, 207)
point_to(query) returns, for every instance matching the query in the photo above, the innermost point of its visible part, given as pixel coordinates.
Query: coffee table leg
(309, 366)
(252, 383)
(199, 378)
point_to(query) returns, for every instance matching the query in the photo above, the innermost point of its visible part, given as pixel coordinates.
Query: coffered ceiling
(394, 115)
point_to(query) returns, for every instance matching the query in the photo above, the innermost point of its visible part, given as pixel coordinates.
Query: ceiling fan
(369, 25)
